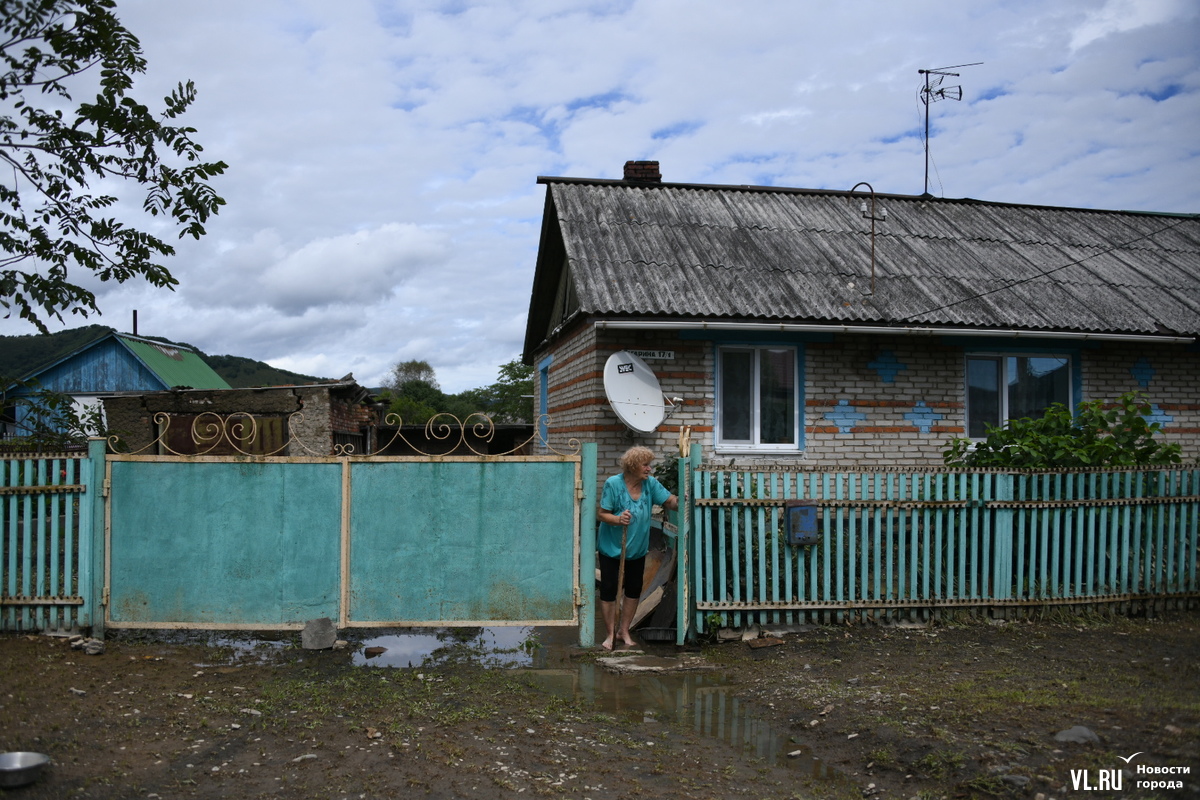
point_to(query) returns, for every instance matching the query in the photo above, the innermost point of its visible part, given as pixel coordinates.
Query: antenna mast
(933, 91)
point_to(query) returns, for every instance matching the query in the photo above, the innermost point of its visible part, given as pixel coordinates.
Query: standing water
(702, 698)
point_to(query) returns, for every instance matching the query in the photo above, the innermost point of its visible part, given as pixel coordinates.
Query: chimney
(642, 172)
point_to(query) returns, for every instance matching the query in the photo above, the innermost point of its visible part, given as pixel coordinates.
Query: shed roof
(91, 368)
(175, 365)
(688, 251)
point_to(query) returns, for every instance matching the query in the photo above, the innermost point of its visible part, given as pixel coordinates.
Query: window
(1004, 387)
(758, 398)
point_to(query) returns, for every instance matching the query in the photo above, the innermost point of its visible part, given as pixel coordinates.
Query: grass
(941, 764)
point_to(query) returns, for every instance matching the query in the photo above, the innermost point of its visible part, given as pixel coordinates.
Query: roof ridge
(750, 188)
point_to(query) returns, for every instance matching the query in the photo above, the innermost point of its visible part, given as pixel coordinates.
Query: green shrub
(1099, 434)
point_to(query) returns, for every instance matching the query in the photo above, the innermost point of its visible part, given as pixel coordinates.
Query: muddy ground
(951, 710)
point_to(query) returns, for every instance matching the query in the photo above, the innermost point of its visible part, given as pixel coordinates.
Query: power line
(1191, 217)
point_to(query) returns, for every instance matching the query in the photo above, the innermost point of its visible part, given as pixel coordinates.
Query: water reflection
(505, 647)
(702, 699)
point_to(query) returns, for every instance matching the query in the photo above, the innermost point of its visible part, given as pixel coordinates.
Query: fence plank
(911, 541)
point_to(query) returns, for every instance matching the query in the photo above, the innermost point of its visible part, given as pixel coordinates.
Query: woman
(625, 508)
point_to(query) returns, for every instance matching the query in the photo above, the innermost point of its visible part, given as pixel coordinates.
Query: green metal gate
(218, 542)
(251, 542)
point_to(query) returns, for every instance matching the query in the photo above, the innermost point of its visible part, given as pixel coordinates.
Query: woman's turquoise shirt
(615, 499)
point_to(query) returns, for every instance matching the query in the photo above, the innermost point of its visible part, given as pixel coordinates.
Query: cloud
(1120, 16)
(382, 202)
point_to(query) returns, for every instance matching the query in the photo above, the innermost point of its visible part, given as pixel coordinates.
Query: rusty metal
(61, 488)
(41, 601)
(244, 434)
(930, 603)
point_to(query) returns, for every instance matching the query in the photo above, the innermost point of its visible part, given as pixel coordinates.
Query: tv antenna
(933, 91)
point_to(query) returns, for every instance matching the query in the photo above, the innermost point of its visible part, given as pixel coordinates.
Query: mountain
(21, 355)
(241, 373)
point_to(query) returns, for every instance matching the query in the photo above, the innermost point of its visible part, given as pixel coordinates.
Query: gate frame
(96, 537)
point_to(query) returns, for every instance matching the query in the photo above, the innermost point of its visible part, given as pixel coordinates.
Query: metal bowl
(18, 769)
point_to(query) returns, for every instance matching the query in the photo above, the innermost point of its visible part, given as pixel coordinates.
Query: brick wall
(868, 401)
(1168, 376)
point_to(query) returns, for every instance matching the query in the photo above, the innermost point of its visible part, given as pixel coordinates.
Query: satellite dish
(633, 392)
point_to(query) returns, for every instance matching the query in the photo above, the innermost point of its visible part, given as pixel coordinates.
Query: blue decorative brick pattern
(923, 417)
(887, 366)
(844, 417)
(1158, 415)
(1142, 371)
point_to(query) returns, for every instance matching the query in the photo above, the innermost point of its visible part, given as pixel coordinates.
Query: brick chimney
(642, 172)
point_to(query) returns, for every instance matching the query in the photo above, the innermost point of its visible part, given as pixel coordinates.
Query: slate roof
(689, 251)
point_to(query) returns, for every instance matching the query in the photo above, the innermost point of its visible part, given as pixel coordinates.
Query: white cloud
(1119, 16)
(381, 191)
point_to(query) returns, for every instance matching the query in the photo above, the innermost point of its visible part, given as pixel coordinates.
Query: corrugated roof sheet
(677, 250)
(174, 365)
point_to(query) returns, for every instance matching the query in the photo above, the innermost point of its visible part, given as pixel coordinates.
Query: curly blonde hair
(635, 458)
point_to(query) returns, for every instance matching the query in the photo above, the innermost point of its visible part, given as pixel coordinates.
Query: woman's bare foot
(607, 644)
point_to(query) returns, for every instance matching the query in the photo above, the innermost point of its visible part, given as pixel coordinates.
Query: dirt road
(947, 711)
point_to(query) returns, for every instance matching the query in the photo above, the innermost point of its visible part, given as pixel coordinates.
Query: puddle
(702, 699)
(501, 647)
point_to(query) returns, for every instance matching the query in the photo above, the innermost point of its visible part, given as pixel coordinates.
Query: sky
(382, 203)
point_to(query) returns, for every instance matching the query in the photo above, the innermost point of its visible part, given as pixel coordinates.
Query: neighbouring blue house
(117, 362)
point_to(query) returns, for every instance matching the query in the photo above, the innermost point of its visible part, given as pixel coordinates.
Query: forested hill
(21, 355)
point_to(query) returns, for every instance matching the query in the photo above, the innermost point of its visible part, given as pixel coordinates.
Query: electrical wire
(1188, 218)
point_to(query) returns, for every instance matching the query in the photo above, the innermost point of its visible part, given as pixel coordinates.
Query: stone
(371, 652)
(1076, 735)
(784, 630)
(93, 647)
(751, 632)
(766, 641)
(318, 634)
(1020, 781)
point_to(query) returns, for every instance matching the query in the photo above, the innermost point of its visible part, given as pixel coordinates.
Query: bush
(1099, 434)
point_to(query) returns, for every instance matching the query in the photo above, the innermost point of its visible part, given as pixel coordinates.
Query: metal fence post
(587, 547)
(91, 539)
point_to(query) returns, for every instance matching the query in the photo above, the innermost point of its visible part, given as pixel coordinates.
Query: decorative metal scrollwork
(212, 433)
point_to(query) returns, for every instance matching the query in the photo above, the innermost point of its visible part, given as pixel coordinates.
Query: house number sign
(654, 355)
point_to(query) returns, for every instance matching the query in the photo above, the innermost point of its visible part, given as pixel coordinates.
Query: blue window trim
(748, 340)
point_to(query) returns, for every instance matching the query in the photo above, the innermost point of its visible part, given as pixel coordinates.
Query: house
(852, 328)
(116, 362)
(323, 419)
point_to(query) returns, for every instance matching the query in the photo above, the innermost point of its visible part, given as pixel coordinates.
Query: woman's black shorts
(609, 567)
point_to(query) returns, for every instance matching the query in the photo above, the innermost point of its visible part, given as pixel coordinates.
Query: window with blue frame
(1003, 386)
(758, 398)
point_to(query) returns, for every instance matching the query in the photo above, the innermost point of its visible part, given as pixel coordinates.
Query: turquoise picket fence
(910, 543)
(45, 542)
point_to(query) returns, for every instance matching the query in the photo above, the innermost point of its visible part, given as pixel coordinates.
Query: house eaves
(803, 257)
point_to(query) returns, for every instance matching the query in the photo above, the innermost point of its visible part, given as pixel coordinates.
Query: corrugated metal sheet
(734, 252)
(174, 365)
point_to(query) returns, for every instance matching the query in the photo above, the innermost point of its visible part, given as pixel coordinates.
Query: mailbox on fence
(800, 522)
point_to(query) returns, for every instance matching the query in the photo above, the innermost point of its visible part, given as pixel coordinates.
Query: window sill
(748, 450)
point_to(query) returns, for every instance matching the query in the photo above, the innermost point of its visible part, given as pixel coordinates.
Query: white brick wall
(850, 369)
